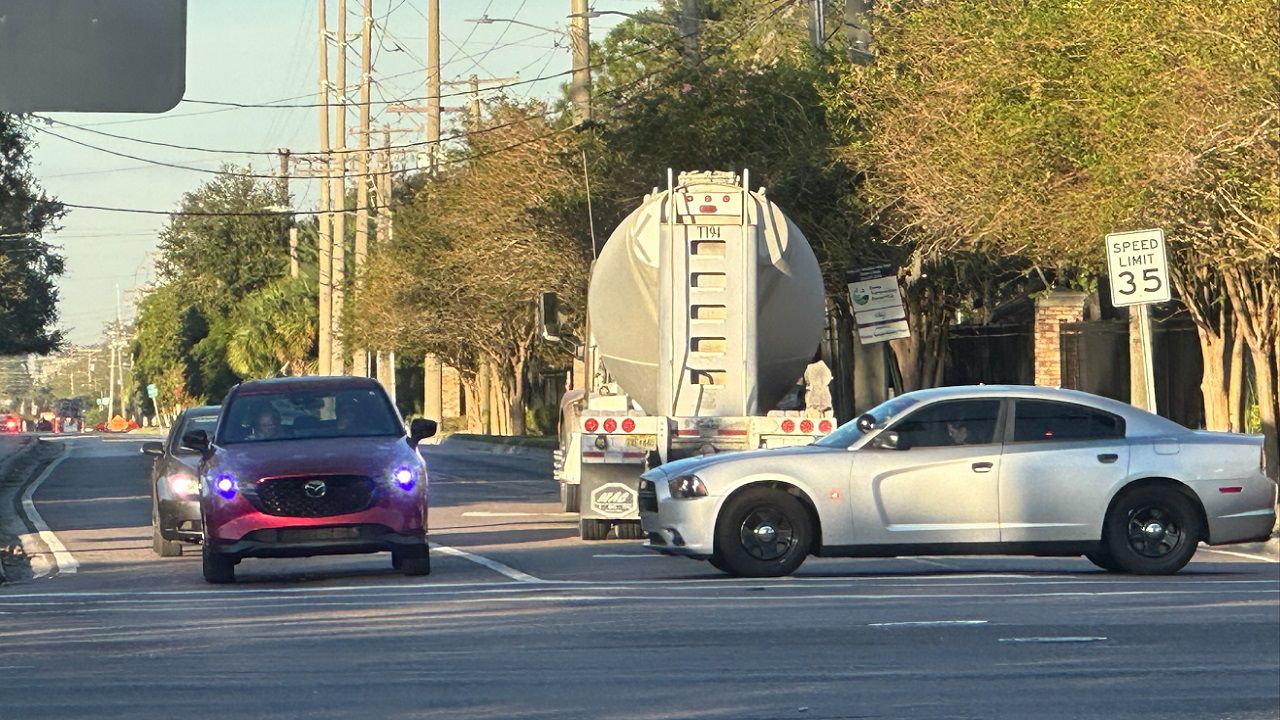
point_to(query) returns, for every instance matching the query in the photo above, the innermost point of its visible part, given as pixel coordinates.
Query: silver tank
(623, 304)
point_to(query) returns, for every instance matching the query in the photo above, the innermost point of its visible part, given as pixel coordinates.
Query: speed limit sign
(1138, 267)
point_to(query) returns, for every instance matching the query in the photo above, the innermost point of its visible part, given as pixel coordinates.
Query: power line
(779, 6)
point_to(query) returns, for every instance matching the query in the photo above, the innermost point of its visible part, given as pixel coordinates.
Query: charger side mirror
(154, 448)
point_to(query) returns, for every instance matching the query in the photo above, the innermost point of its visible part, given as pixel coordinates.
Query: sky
(265, 51)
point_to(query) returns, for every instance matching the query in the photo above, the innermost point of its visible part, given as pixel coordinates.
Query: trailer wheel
(569, 497)
(593, 529)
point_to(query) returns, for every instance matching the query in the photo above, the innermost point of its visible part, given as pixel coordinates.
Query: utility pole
(324, 220)
(338, 195)
(690, 28)
(293, 252)
(283, 187)
(857, 26)
(433, 88)
(580, 41)
(360, 357)
(382, 186)
(817, 23)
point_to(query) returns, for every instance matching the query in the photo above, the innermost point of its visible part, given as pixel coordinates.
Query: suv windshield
(300, 415)
(884, 413)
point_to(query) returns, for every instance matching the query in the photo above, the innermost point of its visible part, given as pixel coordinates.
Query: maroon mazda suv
(311, 466)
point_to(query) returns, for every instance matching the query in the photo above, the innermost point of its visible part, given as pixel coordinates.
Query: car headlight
(184, 484)
(404, 477)
(225, 485)
(687, 486)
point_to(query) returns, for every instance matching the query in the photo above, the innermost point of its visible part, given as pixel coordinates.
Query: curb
(7, 462)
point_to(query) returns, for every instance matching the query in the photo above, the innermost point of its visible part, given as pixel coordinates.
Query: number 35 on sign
(1139, 269)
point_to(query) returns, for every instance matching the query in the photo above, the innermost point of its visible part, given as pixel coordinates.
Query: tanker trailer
(704, 308)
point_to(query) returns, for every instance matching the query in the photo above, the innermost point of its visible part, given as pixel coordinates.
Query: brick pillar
(1053, 309)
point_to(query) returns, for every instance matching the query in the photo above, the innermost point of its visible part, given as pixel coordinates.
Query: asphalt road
(520, 619)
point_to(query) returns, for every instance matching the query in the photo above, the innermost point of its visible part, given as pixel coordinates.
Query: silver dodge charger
(1002, 470)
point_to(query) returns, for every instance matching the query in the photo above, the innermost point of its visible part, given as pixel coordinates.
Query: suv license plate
(310, 534)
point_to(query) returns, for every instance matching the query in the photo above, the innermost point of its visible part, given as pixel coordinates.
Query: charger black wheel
(1152, 531)
(763, 533)
(218, 568)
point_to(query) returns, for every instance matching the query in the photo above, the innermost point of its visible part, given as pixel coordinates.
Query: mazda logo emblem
(315, 488)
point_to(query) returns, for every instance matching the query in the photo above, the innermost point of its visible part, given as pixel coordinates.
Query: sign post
(877, 304)
(1138, 266)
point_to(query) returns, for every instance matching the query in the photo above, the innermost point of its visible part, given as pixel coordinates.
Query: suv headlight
(687, 486)
(404, 477)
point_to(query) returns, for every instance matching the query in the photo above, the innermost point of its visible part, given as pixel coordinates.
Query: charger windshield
(300, 415)
(884, 413)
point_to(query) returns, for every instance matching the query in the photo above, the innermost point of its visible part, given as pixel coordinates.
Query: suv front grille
(291, 497)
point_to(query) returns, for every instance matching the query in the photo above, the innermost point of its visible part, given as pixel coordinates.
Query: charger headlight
(687, 486)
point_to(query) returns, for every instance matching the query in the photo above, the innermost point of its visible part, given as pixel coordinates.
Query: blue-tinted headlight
(404, 478)
(225, 485)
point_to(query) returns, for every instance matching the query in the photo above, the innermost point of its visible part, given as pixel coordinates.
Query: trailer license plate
(644, 442)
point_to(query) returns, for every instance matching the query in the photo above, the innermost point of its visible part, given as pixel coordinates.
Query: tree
(1032, 129)
(275, 331)
(473, 249)
(29, 267)
(224, 309)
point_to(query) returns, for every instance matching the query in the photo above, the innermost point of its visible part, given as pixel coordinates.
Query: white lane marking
(1077, 639)
(488, 514)
(627, 555)
(927, 561)
(63, 561)
(493, 565)
(928, 622)
(1250, 556)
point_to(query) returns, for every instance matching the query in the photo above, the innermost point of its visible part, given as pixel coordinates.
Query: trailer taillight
(628, 425)
(591, 425)
(806, 426)
(825, 426)
(610, 425)
(788, 426)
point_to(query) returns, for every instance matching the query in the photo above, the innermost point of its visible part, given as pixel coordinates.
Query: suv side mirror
(549, 317)
(421, 429)
(154, 448)
(888, 440)
(197, 440)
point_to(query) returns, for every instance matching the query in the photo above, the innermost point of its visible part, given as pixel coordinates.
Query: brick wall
(1053, 309)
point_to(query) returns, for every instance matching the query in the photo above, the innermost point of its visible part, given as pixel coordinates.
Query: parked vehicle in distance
(970, 470)
(11, 424)
(311, 466)
(175, 484)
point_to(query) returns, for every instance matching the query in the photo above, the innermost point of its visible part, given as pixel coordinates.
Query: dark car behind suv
(311, 466)
(175, 485)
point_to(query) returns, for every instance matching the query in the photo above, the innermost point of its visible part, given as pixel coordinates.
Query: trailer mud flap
(608, 492)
